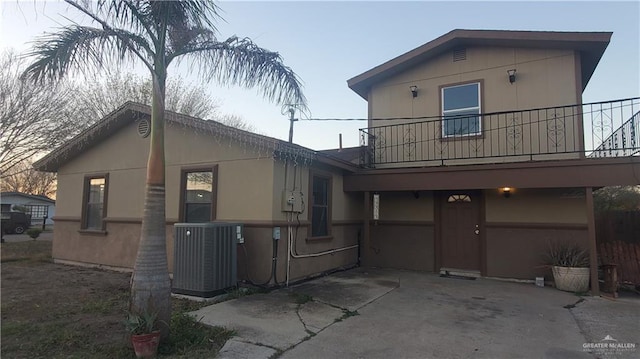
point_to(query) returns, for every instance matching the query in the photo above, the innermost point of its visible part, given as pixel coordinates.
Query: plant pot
(146, 345)
(571, 279)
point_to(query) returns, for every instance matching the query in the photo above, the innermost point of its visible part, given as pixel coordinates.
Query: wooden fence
(618, 238)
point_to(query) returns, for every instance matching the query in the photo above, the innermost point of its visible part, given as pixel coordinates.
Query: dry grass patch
(55, 311)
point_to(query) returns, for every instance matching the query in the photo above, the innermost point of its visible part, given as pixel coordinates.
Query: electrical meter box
(292, 201)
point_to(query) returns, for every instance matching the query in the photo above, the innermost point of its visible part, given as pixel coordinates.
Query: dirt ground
(56, 311)
(51, 310)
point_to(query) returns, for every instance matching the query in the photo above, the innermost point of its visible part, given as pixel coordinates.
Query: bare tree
(25, 179)
(100, 96)
(235, 121)
(33, 118)
(36, 118)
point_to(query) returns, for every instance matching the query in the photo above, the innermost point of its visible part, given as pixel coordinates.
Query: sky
(327, 43)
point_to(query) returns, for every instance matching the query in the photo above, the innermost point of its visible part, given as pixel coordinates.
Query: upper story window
(460, 110)
(199, 195)
(94, 208)
(320, 206)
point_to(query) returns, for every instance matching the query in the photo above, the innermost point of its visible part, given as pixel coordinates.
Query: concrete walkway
(372, 313)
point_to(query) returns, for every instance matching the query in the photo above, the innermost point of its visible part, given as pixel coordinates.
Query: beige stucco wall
(520, 228)
(249, 190)
(404, 206)
(562, 206)
(402, 246)
(245, 176)
(403, 237)
(344, 206)
(544, 78)
(519, 252)
(517, 231)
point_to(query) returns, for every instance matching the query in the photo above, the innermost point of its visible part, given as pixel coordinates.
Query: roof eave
(123, 116)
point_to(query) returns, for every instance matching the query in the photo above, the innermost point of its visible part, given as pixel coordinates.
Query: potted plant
(145, 335)
(570, 266)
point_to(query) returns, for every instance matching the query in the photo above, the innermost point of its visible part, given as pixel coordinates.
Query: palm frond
(241, 62)
(80, 47)
(193, 13)
(133, 14)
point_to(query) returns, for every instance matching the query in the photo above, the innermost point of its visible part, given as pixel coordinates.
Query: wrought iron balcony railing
(599, 129)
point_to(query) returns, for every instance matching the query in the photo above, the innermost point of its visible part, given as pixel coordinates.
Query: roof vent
(459, 54)
(144, 128)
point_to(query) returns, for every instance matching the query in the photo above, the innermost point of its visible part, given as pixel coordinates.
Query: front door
(460, 230)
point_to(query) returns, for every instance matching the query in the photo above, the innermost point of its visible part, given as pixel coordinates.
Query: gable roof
(30, 196)
(131, 112)
(591, 46)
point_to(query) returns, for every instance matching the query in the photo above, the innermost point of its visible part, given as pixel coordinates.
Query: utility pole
(292, 111)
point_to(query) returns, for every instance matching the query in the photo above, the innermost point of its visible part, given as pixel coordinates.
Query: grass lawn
(56, 311)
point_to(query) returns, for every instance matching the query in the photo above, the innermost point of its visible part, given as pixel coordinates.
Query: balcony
(600, 129)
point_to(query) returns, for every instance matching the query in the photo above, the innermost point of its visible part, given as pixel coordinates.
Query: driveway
(373, 313)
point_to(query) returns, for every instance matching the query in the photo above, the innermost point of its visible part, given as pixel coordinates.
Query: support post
(292, 112)
(366, 240)
(593, 248)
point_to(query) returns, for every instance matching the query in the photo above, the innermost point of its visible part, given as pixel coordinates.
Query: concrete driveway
(373, 313)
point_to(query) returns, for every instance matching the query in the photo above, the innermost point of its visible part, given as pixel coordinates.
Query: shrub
(34, 232)
(566, 255)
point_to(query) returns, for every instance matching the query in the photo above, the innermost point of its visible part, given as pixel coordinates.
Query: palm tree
(156, 34)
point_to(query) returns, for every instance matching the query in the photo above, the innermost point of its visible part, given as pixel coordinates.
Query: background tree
(100, 96)
(157, 33)
(33, 119)
(36, 119)
(27, 180)
(617, 198)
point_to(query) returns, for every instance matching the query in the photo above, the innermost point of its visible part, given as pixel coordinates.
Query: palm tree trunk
(150, 283)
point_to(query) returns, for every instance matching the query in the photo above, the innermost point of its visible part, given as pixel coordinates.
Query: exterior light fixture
(414, 91)
(512, 75)
(506, 191)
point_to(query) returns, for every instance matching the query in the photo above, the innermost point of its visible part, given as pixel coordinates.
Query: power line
(333, 119)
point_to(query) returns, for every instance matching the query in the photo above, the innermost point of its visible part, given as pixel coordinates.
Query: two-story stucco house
(478, 151)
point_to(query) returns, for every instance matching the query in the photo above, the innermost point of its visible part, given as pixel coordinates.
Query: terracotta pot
(146, 345)
(571, 279)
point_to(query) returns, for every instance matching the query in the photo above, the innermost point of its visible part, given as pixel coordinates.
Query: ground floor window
(94, 207)
(320, 205)
(199, 187)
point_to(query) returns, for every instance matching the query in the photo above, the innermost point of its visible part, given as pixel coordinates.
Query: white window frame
(444, 113)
